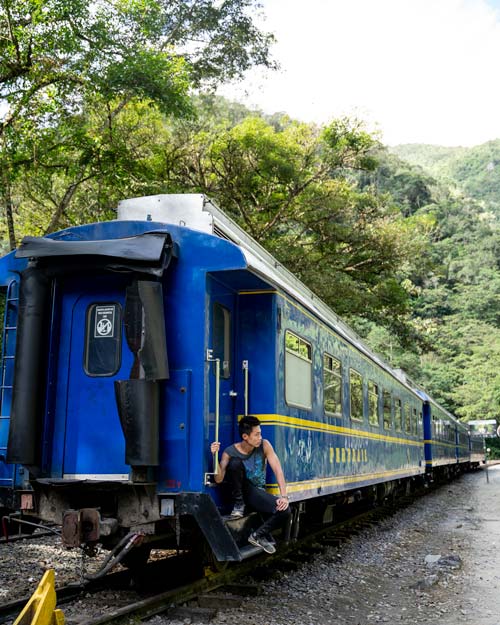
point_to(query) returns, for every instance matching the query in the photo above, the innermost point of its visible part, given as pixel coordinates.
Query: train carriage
(329, 425)
(463, 446)
(446, 440)
(477, 450)
(139, 341)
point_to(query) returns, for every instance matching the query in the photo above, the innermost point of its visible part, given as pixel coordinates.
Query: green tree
(82, 178)
(462, 371)
(58, 56)
(290, 185)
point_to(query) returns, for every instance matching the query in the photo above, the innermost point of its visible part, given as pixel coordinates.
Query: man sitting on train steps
(243, 465)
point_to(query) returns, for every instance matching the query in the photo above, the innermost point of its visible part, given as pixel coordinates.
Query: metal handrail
(210, 358)
(245, 374)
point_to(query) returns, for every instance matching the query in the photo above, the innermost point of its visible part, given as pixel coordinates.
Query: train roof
(198, 212)
(427, 398)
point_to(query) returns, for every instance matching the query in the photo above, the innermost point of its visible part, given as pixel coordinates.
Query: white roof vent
(180, 209)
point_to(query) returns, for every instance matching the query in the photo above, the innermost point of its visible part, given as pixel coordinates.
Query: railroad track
(36, 530)
(17, 537)
(68, 593)
(199, 599)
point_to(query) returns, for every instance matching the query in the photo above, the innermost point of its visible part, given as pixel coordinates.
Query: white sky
(425, 71)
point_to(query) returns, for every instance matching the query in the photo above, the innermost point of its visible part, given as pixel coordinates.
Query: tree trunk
(61, 207)
(9, 209)
(65, 202)
(10, 223)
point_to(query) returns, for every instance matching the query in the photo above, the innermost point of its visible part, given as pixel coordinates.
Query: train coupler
(85, 526)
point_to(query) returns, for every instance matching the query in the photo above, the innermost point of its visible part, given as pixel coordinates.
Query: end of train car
(447, 441)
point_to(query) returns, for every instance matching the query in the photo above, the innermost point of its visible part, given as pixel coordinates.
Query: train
(130, 345)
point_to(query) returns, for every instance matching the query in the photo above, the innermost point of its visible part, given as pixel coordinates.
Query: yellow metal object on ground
(41, 608)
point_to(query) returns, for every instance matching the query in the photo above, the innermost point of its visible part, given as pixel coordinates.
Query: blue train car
(342, 420)
(446, 440)
(139, 341)
(477, 450)
(463, 443)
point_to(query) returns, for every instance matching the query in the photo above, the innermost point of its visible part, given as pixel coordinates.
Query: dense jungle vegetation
(115, 102)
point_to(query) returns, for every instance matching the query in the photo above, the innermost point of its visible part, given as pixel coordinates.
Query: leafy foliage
(288, 184)
(60, 59)
(473, 171)
(56, 50)
(455, 293)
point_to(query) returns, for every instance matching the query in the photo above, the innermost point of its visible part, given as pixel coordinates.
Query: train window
(356, 382)
(407, 415)
(420, 424)
(414, 422)
(103, 339)
(298, 346)
(398, 417)
(221, 339)
(387, 410)
(373, 414)
(298, 371)
(332, 385)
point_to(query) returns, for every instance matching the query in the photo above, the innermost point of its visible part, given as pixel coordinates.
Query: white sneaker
(262, 542)
(238, 511)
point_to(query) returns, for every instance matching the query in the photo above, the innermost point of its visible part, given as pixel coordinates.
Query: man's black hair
(247, 424)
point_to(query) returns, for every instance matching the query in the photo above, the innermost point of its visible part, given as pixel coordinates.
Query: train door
(89, 441)
(222, 345)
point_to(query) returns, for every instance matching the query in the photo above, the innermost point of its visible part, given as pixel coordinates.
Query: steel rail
(331, 535)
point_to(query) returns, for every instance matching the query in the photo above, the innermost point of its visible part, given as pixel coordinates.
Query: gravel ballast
(435, 562)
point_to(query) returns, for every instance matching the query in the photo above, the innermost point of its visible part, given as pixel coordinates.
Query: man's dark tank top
(254, 463)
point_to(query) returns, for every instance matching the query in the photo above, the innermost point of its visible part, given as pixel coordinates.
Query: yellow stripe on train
(318, 426)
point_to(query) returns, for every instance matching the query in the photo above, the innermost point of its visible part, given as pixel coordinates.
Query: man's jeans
(243, 491)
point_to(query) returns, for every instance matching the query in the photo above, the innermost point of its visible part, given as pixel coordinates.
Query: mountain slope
(474, 171)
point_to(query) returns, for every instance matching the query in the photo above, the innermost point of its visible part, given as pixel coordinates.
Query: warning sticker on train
(104, 321)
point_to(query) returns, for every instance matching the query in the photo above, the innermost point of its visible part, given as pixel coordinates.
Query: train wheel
(210, 562)
(137, 558)
(203, 558)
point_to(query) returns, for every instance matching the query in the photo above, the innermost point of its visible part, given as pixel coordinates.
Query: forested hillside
(406, 250)
(456, 302)
(473, 171)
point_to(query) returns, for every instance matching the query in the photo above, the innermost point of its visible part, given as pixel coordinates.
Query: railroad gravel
(23, 563)
(436, 561)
